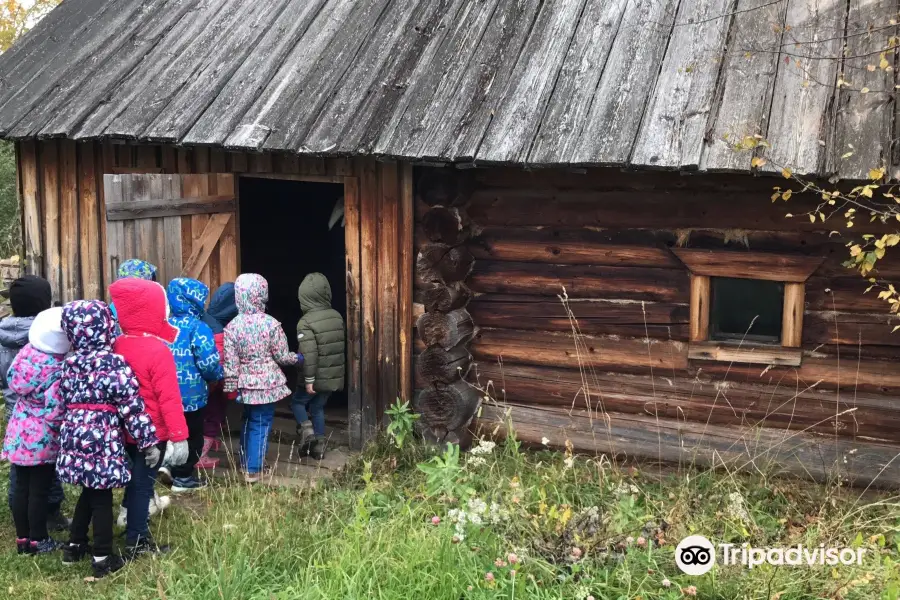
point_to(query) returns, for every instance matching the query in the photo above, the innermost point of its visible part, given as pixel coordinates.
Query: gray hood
(14, 331)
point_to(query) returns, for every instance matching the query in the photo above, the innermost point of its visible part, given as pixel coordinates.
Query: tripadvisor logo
(696, 555)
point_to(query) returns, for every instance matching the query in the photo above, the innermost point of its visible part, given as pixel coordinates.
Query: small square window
(746, 309)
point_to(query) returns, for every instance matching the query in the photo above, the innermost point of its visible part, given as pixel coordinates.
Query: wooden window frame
(792, 271)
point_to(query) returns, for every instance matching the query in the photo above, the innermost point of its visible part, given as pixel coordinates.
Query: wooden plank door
(184, 224)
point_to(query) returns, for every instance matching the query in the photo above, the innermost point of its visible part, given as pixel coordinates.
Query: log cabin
(532, 212)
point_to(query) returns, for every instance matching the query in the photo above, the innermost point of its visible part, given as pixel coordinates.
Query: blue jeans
(302, 403)
(255, 435)
(138, 494)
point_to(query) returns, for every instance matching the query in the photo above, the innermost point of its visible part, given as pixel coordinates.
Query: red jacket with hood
(141, 307)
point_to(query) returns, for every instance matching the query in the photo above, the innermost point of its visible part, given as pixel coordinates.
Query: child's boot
(23, 546)
(74, 553)
(106, 565)
(317, 451)
(306, 433)
(187, 484)
(206, 461)
(159, 503)
(142, 547)
(44, 546)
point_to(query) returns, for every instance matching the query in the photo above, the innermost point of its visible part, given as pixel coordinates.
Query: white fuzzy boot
(159, 503)
(123, 516)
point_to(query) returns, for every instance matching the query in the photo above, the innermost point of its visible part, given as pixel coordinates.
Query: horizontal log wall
(61, 190)
(605, 237)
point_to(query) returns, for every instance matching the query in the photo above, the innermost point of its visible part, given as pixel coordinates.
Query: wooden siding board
(515, 121)
(674, 127)
(406, 277)
(436, 77)
(573, 93)
(805, 87)
(747, 82)
(89, 221)
(626, 84)
(272, 53)
(354, 307)
(388, 285)
(234, 45)
(50, 214)
(271, 109)
(368, 219)
(29, 172)
(68, 222)
(115, 231)
(455, 125)
(864, 121)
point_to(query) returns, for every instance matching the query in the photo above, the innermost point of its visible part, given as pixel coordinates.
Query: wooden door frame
(356, 404)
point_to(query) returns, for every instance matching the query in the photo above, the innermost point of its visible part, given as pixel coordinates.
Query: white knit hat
(46, 333)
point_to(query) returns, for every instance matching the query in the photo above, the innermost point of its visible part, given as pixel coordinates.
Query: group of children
(113, 396)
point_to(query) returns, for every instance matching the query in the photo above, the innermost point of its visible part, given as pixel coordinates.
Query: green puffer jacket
(321, 336)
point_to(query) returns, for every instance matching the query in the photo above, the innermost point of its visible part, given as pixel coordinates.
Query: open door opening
(287, 230)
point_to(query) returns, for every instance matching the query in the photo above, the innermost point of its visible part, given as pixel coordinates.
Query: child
(28, 296)
(321, 336)
(197, 362)
(101, 395)
(32, 434)
(143, 345)
(255, 345)
(132, 268)
(221, 311)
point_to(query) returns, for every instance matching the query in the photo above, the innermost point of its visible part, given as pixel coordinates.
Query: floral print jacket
(32, 434)
(255, 346)
(102, 400)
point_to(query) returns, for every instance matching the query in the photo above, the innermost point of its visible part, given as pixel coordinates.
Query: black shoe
(23, 546)
(57, 522)
(317, 450)
(75, 553)
(108, 565)
(142, 547)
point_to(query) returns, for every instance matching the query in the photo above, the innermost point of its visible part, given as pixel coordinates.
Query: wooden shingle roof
(643, 83)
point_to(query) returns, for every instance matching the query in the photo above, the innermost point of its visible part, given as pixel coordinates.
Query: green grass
(369, 534)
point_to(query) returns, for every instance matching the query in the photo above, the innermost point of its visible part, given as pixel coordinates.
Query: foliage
(402, 422)
(10, 223)
(535, 526)
(444, 473)
(18, 17)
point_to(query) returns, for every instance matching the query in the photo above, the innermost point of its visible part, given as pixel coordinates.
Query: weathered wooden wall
(63, 212)
(605, 236)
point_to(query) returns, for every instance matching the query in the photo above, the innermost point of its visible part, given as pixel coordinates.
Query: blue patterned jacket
(196, 356)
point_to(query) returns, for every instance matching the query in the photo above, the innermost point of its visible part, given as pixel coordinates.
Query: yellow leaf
(884, 295)
(822, 216)
(895, 328)
(866, 191)
(892, 240)
(849, 223)
(871, 68)
(787, 172)
(855, 250)
(812, 218)
(879, 252)
(876, 174)
(865, 90)
(846, 154)
(786, 195)
(897, 215)
(776, 196)
(757, 161)
(884, 64)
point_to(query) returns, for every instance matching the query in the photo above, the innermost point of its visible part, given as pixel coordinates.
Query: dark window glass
(746, 309)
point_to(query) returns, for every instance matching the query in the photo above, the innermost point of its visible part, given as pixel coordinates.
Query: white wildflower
(477, 506)
(582, 592)
(545, 441)
(497, 514)
(737, 507)
(483, 447)
(476, 461)
(569, 462)
(475, 520)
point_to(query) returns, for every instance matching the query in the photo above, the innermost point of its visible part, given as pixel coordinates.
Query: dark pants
(216, 407)
(310, 407)
(55, 495)
(138, 494)
(29, 507)
(94, 506)
(195, 443)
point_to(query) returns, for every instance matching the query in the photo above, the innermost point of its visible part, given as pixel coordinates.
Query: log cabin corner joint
(706, 266)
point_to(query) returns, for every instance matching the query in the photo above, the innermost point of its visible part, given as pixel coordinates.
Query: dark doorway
(284, 235)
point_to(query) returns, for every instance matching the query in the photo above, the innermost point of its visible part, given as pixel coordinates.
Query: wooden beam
(68, 218)
(700, 303)
(405, 312)
(89, 222)
(368, 219)
(50, 213)
(792, 315)
(745, 353)
(171, 207)
(31, 207)
(749, 265)
(203, 246)
(354, 322)
(388, 273)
